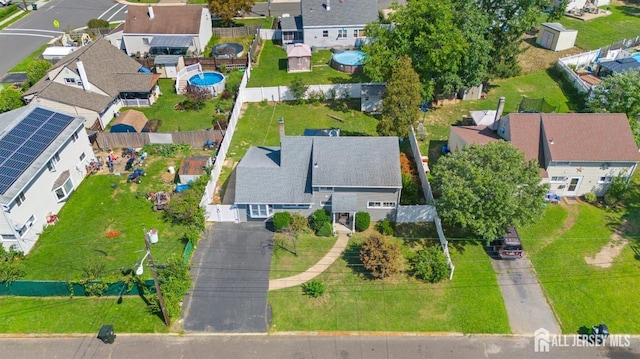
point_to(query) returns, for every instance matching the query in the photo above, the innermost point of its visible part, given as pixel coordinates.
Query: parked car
(5, 2)
(509, 246)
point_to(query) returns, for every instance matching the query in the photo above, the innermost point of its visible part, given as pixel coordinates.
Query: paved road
(25, 36)
(231, 279)
(302, 347)
(526, 304)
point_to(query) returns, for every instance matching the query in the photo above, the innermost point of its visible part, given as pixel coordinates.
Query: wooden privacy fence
(236, 31)
(207, 63)
(108, 140)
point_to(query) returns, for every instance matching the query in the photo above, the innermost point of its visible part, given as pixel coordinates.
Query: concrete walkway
(314, 271)
(526, 304)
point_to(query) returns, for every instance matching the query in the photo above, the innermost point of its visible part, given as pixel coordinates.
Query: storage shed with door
(554, 36)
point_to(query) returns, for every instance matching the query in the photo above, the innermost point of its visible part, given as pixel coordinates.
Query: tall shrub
(380, 256)
(363, 220)
(281, 221)
(431, 265)
(318, 219)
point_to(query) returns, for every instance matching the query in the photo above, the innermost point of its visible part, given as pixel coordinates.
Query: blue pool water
(350, 57)
(636, 56)
(207, 79)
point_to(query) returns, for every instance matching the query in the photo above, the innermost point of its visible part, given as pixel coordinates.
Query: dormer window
(69, 80)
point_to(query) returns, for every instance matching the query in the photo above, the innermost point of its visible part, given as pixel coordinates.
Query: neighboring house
(163, 30)
(554, 36)
(130, 121)
(94, 82)
(342, 175)
(371, 97)
(575, 5)
(607, 68)
(328, 23)
(193, 167)
(43, 154)
(577, 152)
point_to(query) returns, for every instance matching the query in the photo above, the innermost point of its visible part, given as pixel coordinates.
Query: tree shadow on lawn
(354, 79)
(631, 10)
(435, 150)
(282, 64)
(351, 255)
(576, 101)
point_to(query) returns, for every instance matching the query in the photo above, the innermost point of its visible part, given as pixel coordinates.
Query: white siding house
(327, 23)
(43, 154)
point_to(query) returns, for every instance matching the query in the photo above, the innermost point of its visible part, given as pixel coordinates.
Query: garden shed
(130, 121)
(371, 97)
(193, 167)
(554, 36)
(168, 65)
(298, 58)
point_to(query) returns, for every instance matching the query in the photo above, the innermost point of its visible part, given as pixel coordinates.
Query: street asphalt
(231, 277)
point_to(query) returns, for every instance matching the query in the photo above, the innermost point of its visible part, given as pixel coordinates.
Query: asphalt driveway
(231, 277)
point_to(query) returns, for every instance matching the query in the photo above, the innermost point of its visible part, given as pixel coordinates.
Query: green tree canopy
(226, 10)
(487, 188)
(619, 93)
(401, 100)
(10, 99)
(36, 70)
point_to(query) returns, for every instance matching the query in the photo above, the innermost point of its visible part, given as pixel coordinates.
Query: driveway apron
(231, 278)
(526, 304)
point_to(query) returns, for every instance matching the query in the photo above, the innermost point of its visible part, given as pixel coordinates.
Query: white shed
(55, 53)
(554, 36)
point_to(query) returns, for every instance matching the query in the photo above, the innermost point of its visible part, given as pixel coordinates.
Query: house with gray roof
(331, 23)
(576, 152)
(342, 175)
(94, 82)
(43, 159)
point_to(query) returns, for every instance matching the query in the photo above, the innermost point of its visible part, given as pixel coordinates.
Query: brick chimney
(281, 128)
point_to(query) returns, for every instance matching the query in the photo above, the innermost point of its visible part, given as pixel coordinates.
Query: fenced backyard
(196, 139)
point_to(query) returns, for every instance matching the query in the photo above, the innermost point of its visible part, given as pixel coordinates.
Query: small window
(20, 199)
(325, 189)
(27, 226)
(69, 80)
(325, 33)
(377, 204)
(563, 163)
(557, 179)
(296, 206)
(145, 40)
(605, 179)
(260, 210)
(51, 165)
(65, 190)
(358, 33)
(82, 156)
(74, 137)
(342, 34)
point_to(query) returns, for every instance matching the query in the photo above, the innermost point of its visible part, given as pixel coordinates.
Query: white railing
(187, 72)
(136, 102)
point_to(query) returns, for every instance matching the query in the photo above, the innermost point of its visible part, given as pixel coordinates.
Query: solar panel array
(26, 142)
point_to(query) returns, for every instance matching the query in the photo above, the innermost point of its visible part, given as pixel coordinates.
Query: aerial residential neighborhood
(388, 179)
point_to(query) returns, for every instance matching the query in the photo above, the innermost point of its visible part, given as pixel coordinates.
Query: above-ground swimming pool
(348, 61)
(228, 49)
(211, 80)
(636, 56)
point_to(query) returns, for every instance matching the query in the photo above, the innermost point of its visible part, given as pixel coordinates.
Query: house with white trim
(163, 30)
(43, 154)
(95, 82)
(342, 175)
(576, 152)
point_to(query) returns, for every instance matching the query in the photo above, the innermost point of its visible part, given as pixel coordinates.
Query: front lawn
(583, 294)
(77, 315)
(623, 23)
(259, 124)
(272, 69)
(288, 260)
(102, 204)
(471, 303)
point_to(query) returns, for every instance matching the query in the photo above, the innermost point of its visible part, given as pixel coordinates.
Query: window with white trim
(260, 210)
(74, 137)
(145, 40)
(27, 226)
(379, 204)
(51, 165)
(325, 33)
(82, 156)
(358, 33)
(64, 191)
(342, 33)
(296, 206)
(325, 189)
(20, 199)
(605, 179)
(557, 179)
(69, 80)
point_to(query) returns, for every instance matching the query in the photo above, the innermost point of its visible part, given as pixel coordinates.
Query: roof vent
(328, 6)
(151, 14)
(315, 165)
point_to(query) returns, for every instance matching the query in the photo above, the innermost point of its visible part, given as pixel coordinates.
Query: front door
(547, 39)
(572, 187)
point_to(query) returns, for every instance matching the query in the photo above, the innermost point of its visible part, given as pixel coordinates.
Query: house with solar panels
(95, 82)
(163, 30)
(43, 154)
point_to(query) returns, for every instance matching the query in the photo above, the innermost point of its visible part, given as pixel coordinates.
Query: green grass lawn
(582, 294)
(24, 64)
(76, 315)
(471, 303)
(272, 69)
(79, 238)
(310, 249)
(623, 23)
(259, 124)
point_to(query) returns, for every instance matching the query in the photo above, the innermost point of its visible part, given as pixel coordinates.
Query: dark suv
(509, 246)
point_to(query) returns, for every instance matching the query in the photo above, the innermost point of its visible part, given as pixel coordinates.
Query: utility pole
(269, 7)
(167, 321)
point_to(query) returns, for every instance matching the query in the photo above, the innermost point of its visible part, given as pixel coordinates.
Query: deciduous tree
(401, 100)
(487, 188)
(10, 99)
(36, 70)
(380, 256)
(226, 10)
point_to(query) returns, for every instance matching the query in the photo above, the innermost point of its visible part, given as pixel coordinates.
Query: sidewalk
(314, 271)
(39, 4)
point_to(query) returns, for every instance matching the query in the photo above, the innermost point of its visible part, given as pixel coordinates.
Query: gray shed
(371, 97)
(298, 58)
(554, 36)
(168, 65)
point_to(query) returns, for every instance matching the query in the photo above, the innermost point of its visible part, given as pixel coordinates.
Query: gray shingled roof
(557, 26)
(108, 69)
(272, 175)
(291, 23)
(167, 59)
(356, 162)
(344, 202)
(348, 12)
